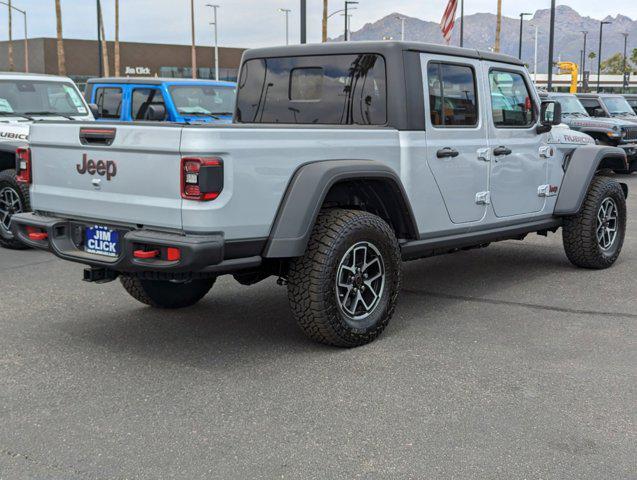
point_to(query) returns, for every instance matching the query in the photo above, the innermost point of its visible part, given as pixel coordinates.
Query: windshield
(617, 106)
(571, 105)
(203, 99)
(28, 97)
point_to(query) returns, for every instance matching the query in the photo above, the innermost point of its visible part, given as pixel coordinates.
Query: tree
(104, 45)
(60, 42)
(592, 56)
(324, 26)
(615, 65)
(116, 53)
(633, 56)
(10, 46)
(498, 28)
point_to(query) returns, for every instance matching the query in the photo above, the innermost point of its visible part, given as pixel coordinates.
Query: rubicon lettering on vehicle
(14, 136)
(106, 168)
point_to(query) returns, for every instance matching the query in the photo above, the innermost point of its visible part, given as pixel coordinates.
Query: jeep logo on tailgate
(101, 167)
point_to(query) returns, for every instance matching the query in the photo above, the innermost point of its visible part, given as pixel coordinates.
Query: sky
(250, 23)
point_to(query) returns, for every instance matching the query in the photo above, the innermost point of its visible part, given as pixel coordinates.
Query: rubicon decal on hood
(577, 139)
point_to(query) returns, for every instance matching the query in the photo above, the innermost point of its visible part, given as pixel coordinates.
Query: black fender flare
(584, 163)
(305, 194)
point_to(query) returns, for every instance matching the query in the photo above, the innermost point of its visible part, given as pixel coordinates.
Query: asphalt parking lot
(505, 362)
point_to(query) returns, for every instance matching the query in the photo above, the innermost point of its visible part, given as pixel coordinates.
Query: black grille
(631, 133)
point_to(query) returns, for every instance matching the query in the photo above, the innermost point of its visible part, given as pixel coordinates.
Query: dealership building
(136, 59)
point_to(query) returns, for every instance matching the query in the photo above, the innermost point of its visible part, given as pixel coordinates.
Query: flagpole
(462, 23)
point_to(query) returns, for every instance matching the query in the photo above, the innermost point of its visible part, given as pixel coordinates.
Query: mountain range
(479, 33)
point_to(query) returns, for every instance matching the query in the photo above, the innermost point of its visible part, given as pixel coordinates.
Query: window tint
(511, 101)
(590, 104)
(452, 95)
(142, 99)
(328, 90)
(108, 101)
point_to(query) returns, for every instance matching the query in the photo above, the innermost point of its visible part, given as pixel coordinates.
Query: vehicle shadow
(234, 327)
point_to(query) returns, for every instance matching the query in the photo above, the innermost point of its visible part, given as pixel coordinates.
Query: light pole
(99, 39)
(535, 55)
(549, 83)
(286, 12)
(522, 15)
(402, 27)
(215, 23)
(585, 33)
(26, 36)
(303, 21)
(347, 4)
(625, 83)
(599, 54)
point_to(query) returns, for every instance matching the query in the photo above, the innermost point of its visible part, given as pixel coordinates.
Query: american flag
(448, 19)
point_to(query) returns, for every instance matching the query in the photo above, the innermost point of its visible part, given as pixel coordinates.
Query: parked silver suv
(344, 159)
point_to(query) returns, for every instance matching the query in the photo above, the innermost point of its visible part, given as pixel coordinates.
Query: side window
(452, 95)
(511, 101)
(108, 101)
(143, 98)
(591, 105)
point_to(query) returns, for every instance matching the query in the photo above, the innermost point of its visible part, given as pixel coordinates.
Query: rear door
(517, 168)
(119, 173)
(456, 135)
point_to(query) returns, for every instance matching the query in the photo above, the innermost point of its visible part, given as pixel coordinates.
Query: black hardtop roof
(384, 48)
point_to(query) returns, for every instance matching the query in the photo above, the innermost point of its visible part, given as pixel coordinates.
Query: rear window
(325, 90)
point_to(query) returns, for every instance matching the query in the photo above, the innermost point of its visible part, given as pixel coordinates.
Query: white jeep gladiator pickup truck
(24, 99)
(343, 160)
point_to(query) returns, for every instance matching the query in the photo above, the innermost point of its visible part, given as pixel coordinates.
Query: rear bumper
(200, 254)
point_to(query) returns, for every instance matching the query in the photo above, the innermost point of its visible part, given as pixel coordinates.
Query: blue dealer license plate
(102, 241)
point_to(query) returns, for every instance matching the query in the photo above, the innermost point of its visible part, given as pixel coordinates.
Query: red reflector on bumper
(173, 254)
(38, 236)
(146, 254)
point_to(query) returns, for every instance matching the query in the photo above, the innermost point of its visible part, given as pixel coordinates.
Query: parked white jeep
(27, 98)
(344, 160)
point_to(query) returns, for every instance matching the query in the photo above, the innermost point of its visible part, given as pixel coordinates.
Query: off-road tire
(166, 294)
(579, 232)
(7, 180)
(312, 278)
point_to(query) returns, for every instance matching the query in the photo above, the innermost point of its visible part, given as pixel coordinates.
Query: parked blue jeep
(161, 99)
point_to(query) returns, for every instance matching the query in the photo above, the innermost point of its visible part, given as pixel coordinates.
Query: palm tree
(498, 28)
(116, 54)
(324, 29)
(10, 46)
(193, 50)
(106, 70)
(61, 59)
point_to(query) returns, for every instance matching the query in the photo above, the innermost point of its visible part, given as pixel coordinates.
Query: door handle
(447, 152)
(500, 151)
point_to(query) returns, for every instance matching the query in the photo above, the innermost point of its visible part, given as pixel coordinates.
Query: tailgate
(82, 171)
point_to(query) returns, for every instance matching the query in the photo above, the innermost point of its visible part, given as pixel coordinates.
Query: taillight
(201, 178)
(23, 165)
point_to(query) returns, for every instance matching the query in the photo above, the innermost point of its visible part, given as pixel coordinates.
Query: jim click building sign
(136, 59)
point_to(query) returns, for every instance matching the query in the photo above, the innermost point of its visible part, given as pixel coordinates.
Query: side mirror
(94, 110)
(155, 113)
(550, 114)
(598, 112)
